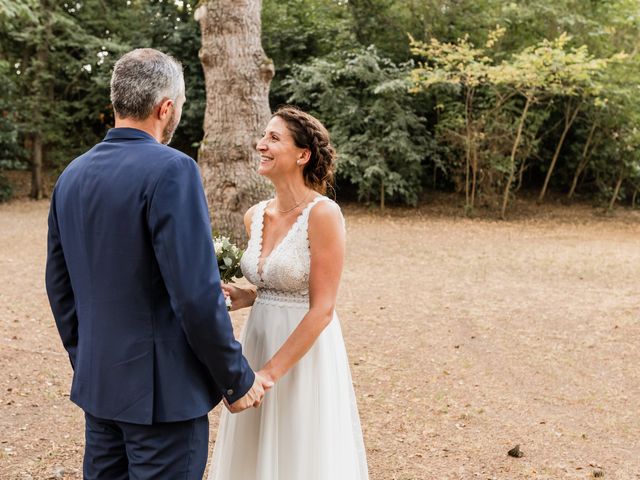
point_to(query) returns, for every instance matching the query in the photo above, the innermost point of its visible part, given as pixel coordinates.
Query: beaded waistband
(276, 297)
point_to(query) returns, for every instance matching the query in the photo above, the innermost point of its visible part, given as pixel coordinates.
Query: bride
(307, 426)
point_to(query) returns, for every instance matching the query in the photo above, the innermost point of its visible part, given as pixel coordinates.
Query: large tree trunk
(237, 76)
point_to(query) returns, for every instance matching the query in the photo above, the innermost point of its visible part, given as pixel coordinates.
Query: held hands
(253, 398)
(240, 297)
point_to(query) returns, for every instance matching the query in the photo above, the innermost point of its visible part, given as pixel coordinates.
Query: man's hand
(253, 398)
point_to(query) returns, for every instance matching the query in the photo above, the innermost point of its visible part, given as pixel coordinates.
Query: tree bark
(474, 179)
(237, 78)
(523, 166)
(514, 150)
(37, 190)
(616, 191)
(471, 153)
(42, 58)
(583, 161)
(570, 117)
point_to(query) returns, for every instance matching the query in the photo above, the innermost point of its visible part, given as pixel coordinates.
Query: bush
(6, 192)
(363, 100)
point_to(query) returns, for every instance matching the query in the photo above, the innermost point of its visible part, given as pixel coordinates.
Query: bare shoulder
(325, 216)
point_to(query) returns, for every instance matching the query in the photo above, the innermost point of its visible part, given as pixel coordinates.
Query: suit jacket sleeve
(59, 289)
(181, 234)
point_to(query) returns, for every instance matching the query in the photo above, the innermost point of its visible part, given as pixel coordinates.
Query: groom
(135, 291)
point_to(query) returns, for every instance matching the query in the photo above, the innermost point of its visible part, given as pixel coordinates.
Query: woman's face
(278, 151)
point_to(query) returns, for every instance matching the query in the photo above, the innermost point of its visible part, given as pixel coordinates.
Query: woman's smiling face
(278, 151)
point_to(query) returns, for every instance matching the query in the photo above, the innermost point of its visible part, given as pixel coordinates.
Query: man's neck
(148, 126)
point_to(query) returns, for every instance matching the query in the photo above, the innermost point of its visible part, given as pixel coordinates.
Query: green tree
(296, 31)
(537, 74)
(363, 99)
(61, 56)
(48, 49)
(466, 67)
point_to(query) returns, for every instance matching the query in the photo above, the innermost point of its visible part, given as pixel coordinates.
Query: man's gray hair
(141, 79)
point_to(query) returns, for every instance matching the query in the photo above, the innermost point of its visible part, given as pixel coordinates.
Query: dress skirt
(307, 427)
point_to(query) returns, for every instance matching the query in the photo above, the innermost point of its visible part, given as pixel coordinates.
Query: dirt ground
(466, 338)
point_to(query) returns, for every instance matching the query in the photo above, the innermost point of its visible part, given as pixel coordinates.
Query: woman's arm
(327, 243)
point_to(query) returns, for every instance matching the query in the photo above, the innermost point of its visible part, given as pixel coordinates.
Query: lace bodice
(285, 272)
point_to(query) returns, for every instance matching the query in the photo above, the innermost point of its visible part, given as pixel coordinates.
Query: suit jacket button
(230, 392)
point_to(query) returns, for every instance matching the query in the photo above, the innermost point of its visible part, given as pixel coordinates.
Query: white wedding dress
(307, 427)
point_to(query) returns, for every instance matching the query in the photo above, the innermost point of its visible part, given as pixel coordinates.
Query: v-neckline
(260, 271)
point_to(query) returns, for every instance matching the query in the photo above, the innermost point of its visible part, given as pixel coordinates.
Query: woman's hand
(240, 297)
(266, 374)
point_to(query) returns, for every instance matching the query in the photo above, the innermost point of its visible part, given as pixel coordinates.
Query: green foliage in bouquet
(228, 256)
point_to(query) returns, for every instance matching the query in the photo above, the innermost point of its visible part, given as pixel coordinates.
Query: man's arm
(181, 235)
(59, 290)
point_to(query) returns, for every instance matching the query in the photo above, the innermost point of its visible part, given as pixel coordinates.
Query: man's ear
(165, 108)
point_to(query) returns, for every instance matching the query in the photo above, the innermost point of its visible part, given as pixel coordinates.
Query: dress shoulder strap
(257, 220)
(307, 210)
(313, 203)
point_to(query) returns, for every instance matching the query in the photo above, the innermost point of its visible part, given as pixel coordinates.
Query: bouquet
(228, 256)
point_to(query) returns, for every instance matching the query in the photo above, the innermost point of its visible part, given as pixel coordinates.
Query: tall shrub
(363, 99)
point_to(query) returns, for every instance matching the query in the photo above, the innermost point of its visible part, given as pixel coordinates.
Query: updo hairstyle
(308, 132)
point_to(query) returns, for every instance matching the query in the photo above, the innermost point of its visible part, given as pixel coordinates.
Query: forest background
(466, 336)
(489, 99)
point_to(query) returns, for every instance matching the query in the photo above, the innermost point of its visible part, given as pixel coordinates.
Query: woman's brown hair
(308, 132)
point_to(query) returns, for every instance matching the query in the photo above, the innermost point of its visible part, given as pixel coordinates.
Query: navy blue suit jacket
(134, 286)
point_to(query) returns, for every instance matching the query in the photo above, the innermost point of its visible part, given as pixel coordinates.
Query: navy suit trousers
(128, 451)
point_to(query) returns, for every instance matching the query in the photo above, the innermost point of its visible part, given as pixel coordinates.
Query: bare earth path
(465, 337)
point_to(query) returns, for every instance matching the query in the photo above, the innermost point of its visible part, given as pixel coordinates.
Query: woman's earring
(298, 162)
